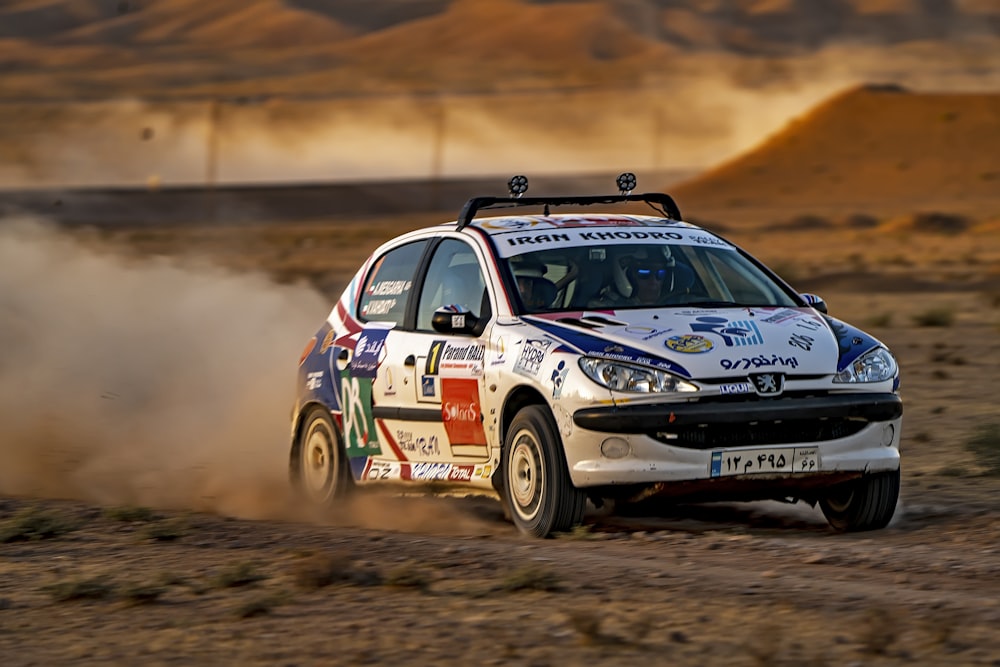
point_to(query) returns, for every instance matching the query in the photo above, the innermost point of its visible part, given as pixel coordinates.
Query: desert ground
(149, 334)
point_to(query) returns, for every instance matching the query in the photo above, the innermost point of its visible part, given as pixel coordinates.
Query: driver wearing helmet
(536, 290)
(641, 278)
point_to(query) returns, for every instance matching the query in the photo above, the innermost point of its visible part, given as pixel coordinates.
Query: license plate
(763, 461)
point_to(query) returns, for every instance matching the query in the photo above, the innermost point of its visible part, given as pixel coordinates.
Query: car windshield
(684, 268)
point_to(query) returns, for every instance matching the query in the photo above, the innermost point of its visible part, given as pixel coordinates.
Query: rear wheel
(537, 491)
(865, 504)
(318, 465)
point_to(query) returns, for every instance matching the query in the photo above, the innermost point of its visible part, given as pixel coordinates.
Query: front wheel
(537, 490)
(865, 504)
(318, 465)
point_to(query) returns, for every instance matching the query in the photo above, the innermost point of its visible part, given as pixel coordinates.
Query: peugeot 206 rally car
(557, 358)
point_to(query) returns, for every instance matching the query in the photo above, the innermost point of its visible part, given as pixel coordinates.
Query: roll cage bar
(518, 185)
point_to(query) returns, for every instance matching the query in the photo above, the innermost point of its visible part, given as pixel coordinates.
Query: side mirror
(454, 320)
(815, 301)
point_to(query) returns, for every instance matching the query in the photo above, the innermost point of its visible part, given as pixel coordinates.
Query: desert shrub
(129, 514)
(165, 531)
(139, 592)
(258, 606)
(985, 444)
(531, 578)
(35, 524)
(935, 317)
(881, 320)
(94, 588)
(317, 570)
(241, 574)
(406, 576)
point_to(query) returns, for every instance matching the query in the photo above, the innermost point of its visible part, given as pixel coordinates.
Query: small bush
(406, 576)
(129, 514)
(935, 317)
(165, 531)
(94, 588)
(531, 579)
(241, 574)
(35, 524)
(142, 592)
(985, 444)
(882, 320)
(315, 571)
(258, 606)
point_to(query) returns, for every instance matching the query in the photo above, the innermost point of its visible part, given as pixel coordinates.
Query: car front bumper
(676, 442)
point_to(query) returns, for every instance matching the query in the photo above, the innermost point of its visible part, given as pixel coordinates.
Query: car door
(430, 384)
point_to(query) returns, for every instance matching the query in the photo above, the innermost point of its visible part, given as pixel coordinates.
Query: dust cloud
(144, 380)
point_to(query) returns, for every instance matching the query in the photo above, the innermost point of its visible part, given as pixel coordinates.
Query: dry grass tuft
(879, 631)
(130, 514)
(93, 588)
(935, 317)
(35, 524)
(240, 574)
(318, 570)
(985, 444)
(531, 578)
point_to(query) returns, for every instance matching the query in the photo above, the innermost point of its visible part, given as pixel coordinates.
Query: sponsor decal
(532, 355)
(364, 364)
(509, 223)
(458, 321)
(644, 333)
(447, 359)
(734, 334)
(327, 341)
(515, 240)
(801, 341)
(360, 438)
(736, 388)
(689, 344)
(461, 411)
(558, 378)
(782, 317)
(500, 351)
(427, 386)
(425, 446)
(758, 362)
(438, 471)
(310, 346)
(314, 380)
(381, 470)
(852, 342)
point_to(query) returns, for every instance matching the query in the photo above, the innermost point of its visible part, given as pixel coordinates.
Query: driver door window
(454, 277)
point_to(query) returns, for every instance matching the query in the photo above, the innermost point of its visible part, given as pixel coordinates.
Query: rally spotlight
(626, 183)
(518, 185)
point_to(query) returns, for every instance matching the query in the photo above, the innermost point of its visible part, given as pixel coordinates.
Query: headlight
(875, 365)
(619, 376)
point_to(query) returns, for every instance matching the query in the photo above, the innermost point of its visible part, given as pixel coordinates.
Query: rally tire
(865, 504)
(536, 489)
(318, 466)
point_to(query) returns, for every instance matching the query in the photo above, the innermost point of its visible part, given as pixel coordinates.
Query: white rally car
(557, 358)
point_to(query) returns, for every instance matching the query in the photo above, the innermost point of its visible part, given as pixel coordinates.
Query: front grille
(712, 436)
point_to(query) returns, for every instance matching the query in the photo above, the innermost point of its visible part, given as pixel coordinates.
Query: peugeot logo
(768, 384)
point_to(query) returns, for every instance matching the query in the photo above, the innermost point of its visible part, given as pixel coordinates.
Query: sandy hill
(868, 144)
(100, 48)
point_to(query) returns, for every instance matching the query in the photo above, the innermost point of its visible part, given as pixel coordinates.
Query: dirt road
(737, 584)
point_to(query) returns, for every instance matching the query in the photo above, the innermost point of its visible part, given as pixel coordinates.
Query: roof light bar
(518, 185)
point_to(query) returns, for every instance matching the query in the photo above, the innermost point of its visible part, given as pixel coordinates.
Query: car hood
(712, 342)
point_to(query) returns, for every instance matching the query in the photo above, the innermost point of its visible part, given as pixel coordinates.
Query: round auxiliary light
(517, 185)
(626, 182)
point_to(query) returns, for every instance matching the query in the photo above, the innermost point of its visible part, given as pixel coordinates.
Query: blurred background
(170, 93)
